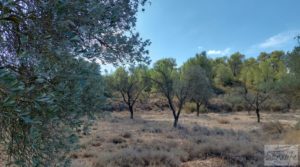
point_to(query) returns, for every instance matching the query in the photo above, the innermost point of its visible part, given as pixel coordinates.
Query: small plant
(151, 130)
(273, 127)
(118, 140)
(189, 108)
(126, 135)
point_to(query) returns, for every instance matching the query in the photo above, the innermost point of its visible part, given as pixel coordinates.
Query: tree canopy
(49, 75)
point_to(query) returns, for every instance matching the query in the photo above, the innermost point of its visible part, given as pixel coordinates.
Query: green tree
(130, 84)
(289, 85)
(172, 84)
(223, 75)
(39, 116)
(48, 80)
(202, 61)
(259, 80)
(200, 85)
(235, 62)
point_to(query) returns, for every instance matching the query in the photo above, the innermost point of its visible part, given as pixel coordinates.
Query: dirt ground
(116, 132)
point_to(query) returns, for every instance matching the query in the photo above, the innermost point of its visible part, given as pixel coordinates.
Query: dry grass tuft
(223, 121)
(273, 127)
(74, 156)
(87, 155)
(96, 144)
(127, 135)
(151, 130)
(117, 140)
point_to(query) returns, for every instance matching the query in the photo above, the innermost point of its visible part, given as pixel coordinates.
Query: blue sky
(182, 28)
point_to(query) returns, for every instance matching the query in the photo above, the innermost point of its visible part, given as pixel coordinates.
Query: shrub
(126, 135)
(151, 130)
(117, 140)
(277, 108)
(190, 107)
(239, 107)
(273, 127)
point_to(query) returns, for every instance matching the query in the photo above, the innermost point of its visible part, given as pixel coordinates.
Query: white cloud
(219, 52)
(278, 40)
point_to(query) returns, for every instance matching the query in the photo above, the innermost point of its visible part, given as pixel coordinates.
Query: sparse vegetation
(187, 143)
(61, 106)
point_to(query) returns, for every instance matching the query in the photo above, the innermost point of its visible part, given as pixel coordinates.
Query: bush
(151, 130)
(273, 127)
(126, 135)
(117, 140)
(219, 107)
(190, 107)
(239, 107)
(277, 108)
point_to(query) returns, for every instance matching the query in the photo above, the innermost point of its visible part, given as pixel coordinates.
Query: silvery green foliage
(172, 84)
(200, 86)
(48, 77)
(94, 29)
(130, 84)
(39, 116)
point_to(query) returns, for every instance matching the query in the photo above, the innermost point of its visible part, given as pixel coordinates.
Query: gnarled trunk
(131, 111)
(175, 121)
(258, 115)
(198, 109)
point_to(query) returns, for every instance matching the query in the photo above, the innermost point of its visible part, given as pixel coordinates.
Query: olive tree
(259, 79)
(172, 84)
(200, 87)
(130, 84)
(48, 78)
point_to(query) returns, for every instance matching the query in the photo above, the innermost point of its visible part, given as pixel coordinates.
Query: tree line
(251, 81)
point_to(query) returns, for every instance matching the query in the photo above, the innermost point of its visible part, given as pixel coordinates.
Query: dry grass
(228, 139)
(273, 127)
(292, 137)
(212, 139)
(155, 153)
(223, 121)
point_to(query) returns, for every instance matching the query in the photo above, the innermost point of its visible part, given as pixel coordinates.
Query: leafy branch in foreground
(49, 79)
